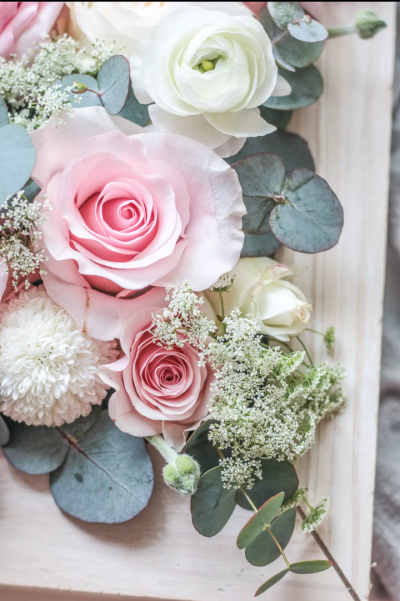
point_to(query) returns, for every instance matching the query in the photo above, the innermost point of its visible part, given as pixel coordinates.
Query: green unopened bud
(79, 88)
(329, 337)
(183, 475)
(207, 65)
(368, 24)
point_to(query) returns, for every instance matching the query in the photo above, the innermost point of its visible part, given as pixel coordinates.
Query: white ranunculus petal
(282, 88)
(245, 123)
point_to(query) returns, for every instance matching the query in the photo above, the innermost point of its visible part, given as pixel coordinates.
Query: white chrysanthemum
(48, 367)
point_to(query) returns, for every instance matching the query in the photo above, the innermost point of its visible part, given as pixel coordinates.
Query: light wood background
(48, 556)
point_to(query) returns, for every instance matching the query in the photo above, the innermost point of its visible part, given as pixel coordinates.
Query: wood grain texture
(159, 555)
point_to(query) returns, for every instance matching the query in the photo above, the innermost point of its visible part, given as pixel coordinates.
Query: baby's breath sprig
(20, 220)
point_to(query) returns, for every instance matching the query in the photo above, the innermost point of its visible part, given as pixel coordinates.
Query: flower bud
(368, 24)
(183, 475)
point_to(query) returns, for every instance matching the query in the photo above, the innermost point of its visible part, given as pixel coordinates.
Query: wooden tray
(159, 555)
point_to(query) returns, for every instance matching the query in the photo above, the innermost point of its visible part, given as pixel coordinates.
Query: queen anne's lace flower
(48, 367)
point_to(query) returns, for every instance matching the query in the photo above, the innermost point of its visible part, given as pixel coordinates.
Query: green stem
(336, 32)
(279, 547)
(280, 342)
(315, 331)
(222, 309)
(305, 348)
(279, 38)
(167, 452)
(307, 503)
(254, 508)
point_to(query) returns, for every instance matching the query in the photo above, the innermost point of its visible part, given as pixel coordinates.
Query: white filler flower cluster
(48, 367)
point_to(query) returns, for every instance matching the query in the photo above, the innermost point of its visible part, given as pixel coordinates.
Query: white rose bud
(259, 290)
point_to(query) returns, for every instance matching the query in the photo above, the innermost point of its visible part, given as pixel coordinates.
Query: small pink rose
(24, 23)
(158, 391)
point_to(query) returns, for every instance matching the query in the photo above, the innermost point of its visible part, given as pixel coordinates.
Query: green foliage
(271, 581)
(212, 505)
(368, 24)
(4, 432)
(310, 567)
(31, 189)
(276, 476)
(263, 245)
(264, 550)
(114, 83)
(183, 475)
(259, 521)
(280, 119)
(3, 113)
(308, 30)
(17, 159)
(202, 449)
(134, 111)
(306, 87)
(284, 13)
(91, 95)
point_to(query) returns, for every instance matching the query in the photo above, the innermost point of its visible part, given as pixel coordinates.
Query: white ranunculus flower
(280, 308)
(120, 22)
(207, 68)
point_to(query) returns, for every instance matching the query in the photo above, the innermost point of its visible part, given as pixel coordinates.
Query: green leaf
(134, 111)
(35, 449)
(88, 98)
(306, 87)
(290, 148)
(263, 550)
(3, 113)
(107, 476)
(212, 505)
(31, 189)
(277, 476)
(298, 54)
(259, 521)
(4, 432)
(311, 31)
(310, 567)
(280, 119)
(280, 60)
(202, 449)
(17, 159)
(312, 219)
(114, 83)
(259, 246)
(284, 13)
(269, 24)
(270, 582)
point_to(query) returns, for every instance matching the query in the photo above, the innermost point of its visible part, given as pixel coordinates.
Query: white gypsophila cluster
(26, 85)
(20, 221)
(315, 517)
(182, 320)
(48, 367)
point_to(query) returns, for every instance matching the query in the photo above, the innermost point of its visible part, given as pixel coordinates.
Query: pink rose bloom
(24, 23)
(132, 209)
(158, 391)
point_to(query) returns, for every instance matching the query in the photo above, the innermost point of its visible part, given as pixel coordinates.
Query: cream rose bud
(207, 68)
(280, 308)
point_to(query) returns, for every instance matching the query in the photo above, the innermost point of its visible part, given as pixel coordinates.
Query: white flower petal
(241, 124)
(282, 88)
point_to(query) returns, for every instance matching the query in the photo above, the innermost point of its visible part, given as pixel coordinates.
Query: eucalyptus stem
(305, 348)
(315, 332)
(336, 32)
(330, 558)
(307, 503)
(278, 545)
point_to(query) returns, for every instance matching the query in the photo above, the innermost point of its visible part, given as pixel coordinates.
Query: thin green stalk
(307, 503)
(305, 348)
(336, 32)
(315, 331)
(167, 452)
(279, 547)
(221, 298)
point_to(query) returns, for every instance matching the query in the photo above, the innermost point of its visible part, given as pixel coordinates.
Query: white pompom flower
(48, 366)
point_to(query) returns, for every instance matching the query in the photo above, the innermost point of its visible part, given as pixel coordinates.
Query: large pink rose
(133, 209)
(158, 391)
(24, 23)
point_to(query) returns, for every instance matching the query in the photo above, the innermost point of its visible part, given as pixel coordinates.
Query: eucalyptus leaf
(4, 432)
(296, 53)
(310, 567)
(277, 476)
(114, 83)
(305, 31)
(202, 449)
(311, 220)
(290, 148)
(280, 119)
(284, 13)
(35, 449)
(134, 111)
(263, 550)
(259, 246)
(3, 113)
(212, 505)
(17, 159)
(259, 521)
(306, 87)
(280, 60)
(270, 582)
(269, 24)
(107, 476)
(31, 190)
(86, 99)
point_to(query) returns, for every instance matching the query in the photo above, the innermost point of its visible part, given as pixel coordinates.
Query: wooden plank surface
(158, 555)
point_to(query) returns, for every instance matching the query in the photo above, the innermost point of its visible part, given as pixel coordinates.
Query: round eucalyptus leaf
(312, 219)
(202, 449)
(80, 426)
(35, 449)
(280, 60)
(277, 476)
(17, 159)
(296, 53)
(261, 177)
(86, 99)
(259, 246)
(3, 113)
(31, 189)
(134, 111)
(212, 505)
(4, 432)
(306, 87)
(263, 550)
(308, 31)
(284, 13)
(114, 83)
(270, 582)
(257, 523)
(269, 24)
(310, 567)
(280, 119)
(107, 476)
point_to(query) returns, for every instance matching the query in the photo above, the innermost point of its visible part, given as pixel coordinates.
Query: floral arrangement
(146, 181)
